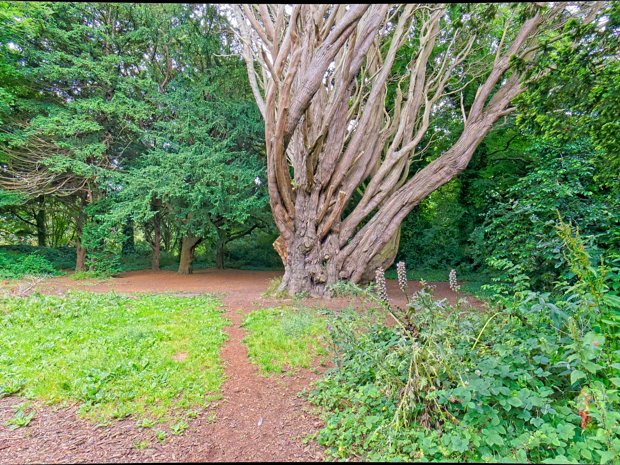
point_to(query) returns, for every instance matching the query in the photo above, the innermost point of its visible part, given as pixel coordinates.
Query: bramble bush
(533, 380)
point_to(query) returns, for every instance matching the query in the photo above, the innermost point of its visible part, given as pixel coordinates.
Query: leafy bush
(535, 381)
(61, 258)
(518, 231)
(103, 263)
(432, 234)
(16, 266)
(253, 252)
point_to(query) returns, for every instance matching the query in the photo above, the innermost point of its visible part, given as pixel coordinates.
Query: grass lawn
(282, 339)
(154, 357)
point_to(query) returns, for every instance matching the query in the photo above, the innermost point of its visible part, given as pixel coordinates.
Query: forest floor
(258, 419)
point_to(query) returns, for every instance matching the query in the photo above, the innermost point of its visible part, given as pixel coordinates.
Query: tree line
(118, 119)
(445, 135)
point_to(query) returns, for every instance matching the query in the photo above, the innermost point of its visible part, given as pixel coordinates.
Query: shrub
(17, 266)
(535, 381)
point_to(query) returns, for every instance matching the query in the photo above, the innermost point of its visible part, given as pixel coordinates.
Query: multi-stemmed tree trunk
(349, 94)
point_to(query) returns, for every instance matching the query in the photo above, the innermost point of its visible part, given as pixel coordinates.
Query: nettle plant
(534, 380)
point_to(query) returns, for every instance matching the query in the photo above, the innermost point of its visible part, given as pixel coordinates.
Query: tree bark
(80, 251)
(156, 244)
(40, 219)
(188, 247)
(220, 250)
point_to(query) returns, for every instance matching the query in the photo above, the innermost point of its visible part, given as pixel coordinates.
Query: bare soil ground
(258, 419)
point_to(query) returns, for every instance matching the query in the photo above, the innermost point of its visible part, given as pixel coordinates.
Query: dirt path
(258, 419)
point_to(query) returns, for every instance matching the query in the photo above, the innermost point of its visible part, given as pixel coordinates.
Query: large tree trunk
(188, 247)
(342, 123)
(313, 269)
(80, 251)
(41, 223)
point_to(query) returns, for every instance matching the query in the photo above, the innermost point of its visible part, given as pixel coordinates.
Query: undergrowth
(14, 266)
(536, 381)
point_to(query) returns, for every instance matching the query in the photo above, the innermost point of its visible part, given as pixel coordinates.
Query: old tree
(351, 96)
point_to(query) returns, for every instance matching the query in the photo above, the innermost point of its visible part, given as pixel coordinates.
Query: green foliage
(346, 289)
(536, 381)
(254, 251)
(519, 230)
(581, 97)
(198, 172)
(18, 265)
(283, 339)
(153, 357)
(82, 275)
(437, 220)
(134, 112)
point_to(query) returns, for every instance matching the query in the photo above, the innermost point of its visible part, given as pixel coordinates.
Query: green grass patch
(283, 339)
(155, 357)
(84, 275)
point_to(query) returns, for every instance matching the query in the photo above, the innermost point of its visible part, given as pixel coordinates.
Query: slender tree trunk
(80, 251)
(41, 223)
(129, 245)
(220, 250)
(166, 236)
(188, 247)
(156, 245)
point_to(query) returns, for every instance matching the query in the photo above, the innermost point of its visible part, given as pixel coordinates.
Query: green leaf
(559, 459)
(591, 366)
(515, 402)
(576, 375)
